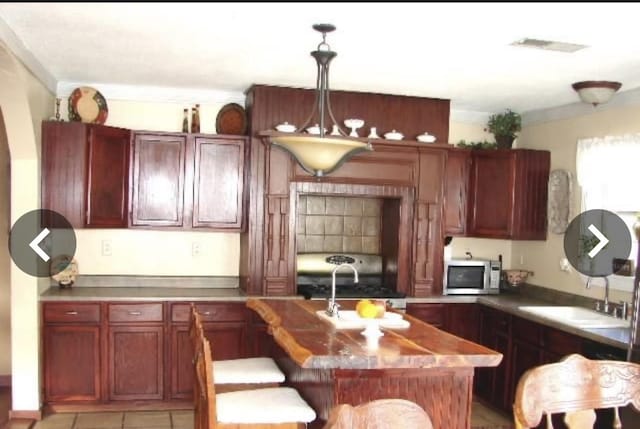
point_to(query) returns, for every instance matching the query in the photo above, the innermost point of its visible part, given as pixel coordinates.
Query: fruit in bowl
(368, 309)
(516, 277)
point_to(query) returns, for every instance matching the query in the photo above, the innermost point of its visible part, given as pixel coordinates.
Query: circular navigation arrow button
(38, 237)
(594, 239)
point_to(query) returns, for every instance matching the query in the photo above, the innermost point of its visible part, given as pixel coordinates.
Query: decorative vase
(504, 142)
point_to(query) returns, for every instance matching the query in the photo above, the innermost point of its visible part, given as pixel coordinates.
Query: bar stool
(237, 374)
(379, 414)
(277, 407)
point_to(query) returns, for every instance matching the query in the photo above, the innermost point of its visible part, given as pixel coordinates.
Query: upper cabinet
(85, 173)
(187, 181)
(101, 177)
(508, 194)
(456, 185)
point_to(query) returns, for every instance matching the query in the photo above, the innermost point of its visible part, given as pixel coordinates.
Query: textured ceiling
(457, 51)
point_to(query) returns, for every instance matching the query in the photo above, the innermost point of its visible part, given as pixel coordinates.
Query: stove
(314, 278)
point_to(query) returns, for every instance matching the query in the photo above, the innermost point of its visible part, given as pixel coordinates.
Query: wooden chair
(237, 374)
(575, 386)
(379, 414)
(273, 408)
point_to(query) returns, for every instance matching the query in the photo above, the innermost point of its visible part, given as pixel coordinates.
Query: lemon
(368, 311)
(361, 304)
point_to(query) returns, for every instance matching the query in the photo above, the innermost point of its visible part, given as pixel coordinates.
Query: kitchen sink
(576, 316)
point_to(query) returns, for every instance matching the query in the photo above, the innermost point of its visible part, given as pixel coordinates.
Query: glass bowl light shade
(596, 91)
(319, 155)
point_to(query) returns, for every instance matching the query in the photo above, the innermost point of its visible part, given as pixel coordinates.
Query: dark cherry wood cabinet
(432, 313)
(456, 185)
(225, 328)
(71, 356)
(461, 319)
(158, 176)
(188, 181)
(136, 351)
(85, 173)
(508, 194)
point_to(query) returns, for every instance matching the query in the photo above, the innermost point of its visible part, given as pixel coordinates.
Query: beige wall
(24, 103)
(5, 259)
(478, 247)
(163, 253)
(560, 137)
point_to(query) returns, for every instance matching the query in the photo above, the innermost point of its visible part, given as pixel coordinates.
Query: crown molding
(18, 49)
(622, 99)
(156, 93)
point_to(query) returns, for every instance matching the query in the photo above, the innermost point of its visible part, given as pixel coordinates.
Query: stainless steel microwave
(471, 277)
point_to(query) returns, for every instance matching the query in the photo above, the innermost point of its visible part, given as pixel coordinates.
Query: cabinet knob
(135, 313)
(71, 313)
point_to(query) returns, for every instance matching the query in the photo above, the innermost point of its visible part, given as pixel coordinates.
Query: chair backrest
(205, 399)
(575, 386)
(379, 414)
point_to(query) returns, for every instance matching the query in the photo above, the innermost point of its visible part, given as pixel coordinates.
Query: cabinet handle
(135, 313)
(71, 313)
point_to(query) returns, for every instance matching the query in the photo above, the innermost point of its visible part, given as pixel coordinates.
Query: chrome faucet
(332, 308)
(605, 307)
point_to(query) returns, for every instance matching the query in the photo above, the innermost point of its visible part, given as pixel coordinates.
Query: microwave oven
(471, 277)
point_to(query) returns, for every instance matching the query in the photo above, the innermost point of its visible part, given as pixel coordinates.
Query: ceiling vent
(548, 45)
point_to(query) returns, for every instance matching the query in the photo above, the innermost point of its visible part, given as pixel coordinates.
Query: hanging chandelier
(319, 154)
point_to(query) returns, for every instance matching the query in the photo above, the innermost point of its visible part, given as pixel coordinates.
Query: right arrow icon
(603, 241)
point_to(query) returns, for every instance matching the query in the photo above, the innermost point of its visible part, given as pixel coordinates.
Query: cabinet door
(218, 183)
(434, 314)
(491, 197)
(456, 183)
(158, 180)
(64, 153)
(463, 320)
(72, 363)
(492, 383)
(226, 339)
(136, 362)
(107, 177)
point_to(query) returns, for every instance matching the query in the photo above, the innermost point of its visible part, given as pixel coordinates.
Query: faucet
(332, 308)
(605, 306)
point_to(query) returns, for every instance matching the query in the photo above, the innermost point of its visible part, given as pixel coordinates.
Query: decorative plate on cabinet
(231, 119)
(87, 105)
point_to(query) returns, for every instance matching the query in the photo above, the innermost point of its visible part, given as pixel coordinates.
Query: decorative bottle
(185, 121)
(195, 119)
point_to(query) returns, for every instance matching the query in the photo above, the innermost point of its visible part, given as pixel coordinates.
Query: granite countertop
(55, 293)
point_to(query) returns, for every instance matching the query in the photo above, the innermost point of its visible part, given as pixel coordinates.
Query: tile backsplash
(338, 224)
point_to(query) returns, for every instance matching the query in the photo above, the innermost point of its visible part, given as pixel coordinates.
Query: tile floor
(482, 418)
(119, 420)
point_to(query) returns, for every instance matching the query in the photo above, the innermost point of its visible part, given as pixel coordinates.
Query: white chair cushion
(272, 405)
(251, 370)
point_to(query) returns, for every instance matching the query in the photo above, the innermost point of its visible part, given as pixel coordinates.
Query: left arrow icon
(34, 244)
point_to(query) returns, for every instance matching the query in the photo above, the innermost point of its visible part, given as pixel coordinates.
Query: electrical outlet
(521, 259)
(106, 247)
(195, 248)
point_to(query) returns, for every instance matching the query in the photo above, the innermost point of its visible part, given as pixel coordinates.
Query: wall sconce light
(596, 91)
(319, 155)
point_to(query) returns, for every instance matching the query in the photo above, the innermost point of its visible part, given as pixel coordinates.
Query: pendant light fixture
(318, 154)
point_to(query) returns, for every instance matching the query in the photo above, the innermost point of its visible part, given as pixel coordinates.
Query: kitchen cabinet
(85, 173)
(508, 194)
(225, 328)
(456, 184)
(71, 352)
(136, 351)
(458, 319)
(187, 181)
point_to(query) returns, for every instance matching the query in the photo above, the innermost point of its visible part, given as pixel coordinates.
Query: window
(608, 172)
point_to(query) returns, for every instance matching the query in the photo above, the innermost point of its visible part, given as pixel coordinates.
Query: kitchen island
(332, 366)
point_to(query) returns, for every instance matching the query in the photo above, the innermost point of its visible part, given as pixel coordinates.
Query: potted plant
(504, 127)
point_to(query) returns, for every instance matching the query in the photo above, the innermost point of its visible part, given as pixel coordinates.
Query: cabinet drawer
(561, 343)
(71, 313)
(429, 313)
(147, 312)
(217, 312)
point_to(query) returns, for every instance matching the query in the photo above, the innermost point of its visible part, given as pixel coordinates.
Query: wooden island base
(329, 367)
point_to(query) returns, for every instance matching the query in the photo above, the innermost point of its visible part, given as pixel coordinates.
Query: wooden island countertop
(332, 366)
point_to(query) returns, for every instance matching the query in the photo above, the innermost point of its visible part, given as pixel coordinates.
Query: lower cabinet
(459, 319)
(131, 351)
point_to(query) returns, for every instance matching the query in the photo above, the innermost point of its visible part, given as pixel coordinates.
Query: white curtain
(608, 170)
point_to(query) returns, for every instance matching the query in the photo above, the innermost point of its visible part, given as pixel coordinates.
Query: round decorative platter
(231, 119)
(86, 104)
